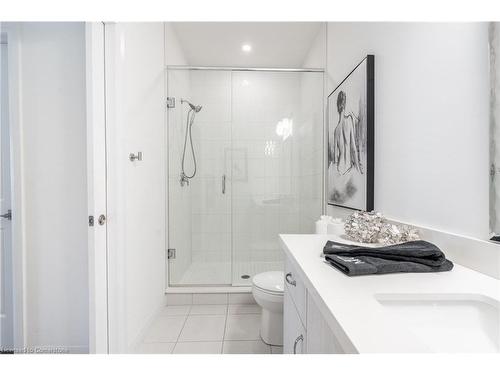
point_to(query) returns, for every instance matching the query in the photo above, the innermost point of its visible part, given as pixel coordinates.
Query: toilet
(267, 289)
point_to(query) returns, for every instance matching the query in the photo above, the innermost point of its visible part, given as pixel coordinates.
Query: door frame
(12, 32)
(97, 191)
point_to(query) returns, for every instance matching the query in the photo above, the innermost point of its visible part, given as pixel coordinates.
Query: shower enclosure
(258, 142)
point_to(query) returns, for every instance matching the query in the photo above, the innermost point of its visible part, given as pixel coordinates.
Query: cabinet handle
(223, 184)
(289, 279)
(300, 338)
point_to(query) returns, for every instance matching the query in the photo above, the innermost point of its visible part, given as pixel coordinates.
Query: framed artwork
(351, 139)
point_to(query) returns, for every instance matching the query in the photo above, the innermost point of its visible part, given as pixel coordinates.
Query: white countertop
(349, 305)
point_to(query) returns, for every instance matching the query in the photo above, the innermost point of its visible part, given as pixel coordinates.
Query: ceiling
(274, 44)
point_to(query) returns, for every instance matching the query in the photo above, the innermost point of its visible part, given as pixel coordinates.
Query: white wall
(431, 118)
(53, 125)
(174, 53)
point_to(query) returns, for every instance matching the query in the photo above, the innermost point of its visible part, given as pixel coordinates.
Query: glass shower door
(277, 164)
(263, 191)
(200, 211)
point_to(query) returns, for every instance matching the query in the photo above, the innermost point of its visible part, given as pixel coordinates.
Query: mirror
(494, 45)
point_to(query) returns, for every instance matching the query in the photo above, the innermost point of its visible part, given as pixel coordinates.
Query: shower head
(196, 108)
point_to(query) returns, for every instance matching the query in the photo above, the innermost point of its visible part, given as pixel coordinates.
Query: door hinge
(170, 102)
(7, 215)
(171, 253)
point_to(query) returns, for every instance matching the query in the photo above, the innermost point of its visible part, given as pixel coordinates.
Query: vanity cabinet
(305, 331)
(320, 338)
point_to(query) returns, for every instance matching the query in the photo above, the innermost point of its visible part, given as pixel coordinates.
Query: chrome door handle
(102, 219)
(289, 279)
(297, 340)
(223, 184)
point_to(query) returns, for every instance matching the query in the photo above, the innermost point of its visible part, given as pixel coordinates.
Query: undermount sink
(449, 323)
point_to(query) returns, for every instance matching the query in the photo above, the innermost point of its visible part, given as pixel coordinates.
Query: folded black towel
(413, 256)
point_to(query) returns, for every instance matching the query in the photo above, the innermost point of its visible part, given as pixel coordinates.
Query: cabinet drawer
(297, 290)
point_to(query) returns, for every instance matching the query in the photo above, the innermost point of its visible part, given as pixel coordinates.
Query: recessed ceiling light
(246, 47)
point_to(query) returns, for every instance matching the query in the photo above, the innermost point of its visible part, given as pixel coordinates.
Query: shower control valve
(184, 180)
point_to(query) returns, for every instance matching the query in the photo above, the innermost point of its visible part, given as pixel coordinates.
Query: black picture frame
(370, 134)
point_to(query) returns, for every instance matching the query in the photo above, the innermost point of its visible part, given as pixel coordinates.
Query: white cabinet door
(294, 333)
(297, 290)
(320, 338)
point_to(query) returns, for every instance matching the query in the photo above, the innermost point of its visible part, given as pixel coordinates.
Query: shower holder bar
(245, 69)
(133, 157)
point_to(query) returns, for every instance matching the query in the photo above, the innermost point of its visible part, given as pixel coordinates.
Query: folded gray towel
(413, 256)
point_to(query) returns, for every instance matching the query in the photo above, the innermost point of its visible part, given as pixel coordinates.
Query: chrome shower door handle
(223, 184)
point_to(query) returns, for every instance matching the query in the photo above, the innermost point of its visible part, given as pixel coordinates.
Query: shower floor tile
(251, 269)
(199, 273)
(219, 273)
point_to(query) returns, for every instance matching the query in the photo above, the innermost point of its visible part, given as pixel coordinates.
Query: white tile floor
(206, 329)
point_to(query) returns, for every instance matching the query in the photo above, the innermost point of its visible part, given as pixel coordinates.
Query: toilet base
(271, 327)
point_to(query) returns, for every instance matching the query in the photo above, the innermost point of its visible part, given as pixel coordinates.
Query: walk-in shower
(193, 110)
(257, 148)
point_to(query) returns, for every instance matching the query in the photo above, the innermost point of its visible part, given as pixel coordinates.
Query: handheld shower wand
(194, 109)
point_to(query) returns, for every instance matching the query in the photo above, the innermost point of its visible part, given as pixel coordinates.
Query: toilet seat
(270, 282)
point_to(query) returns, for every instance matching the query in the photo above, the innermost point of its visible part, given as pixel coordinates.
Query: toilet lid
(271, 281)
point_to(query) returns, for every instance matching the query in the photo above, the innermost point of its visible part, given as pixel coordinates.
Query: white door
(136, 180)
(6, 300)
